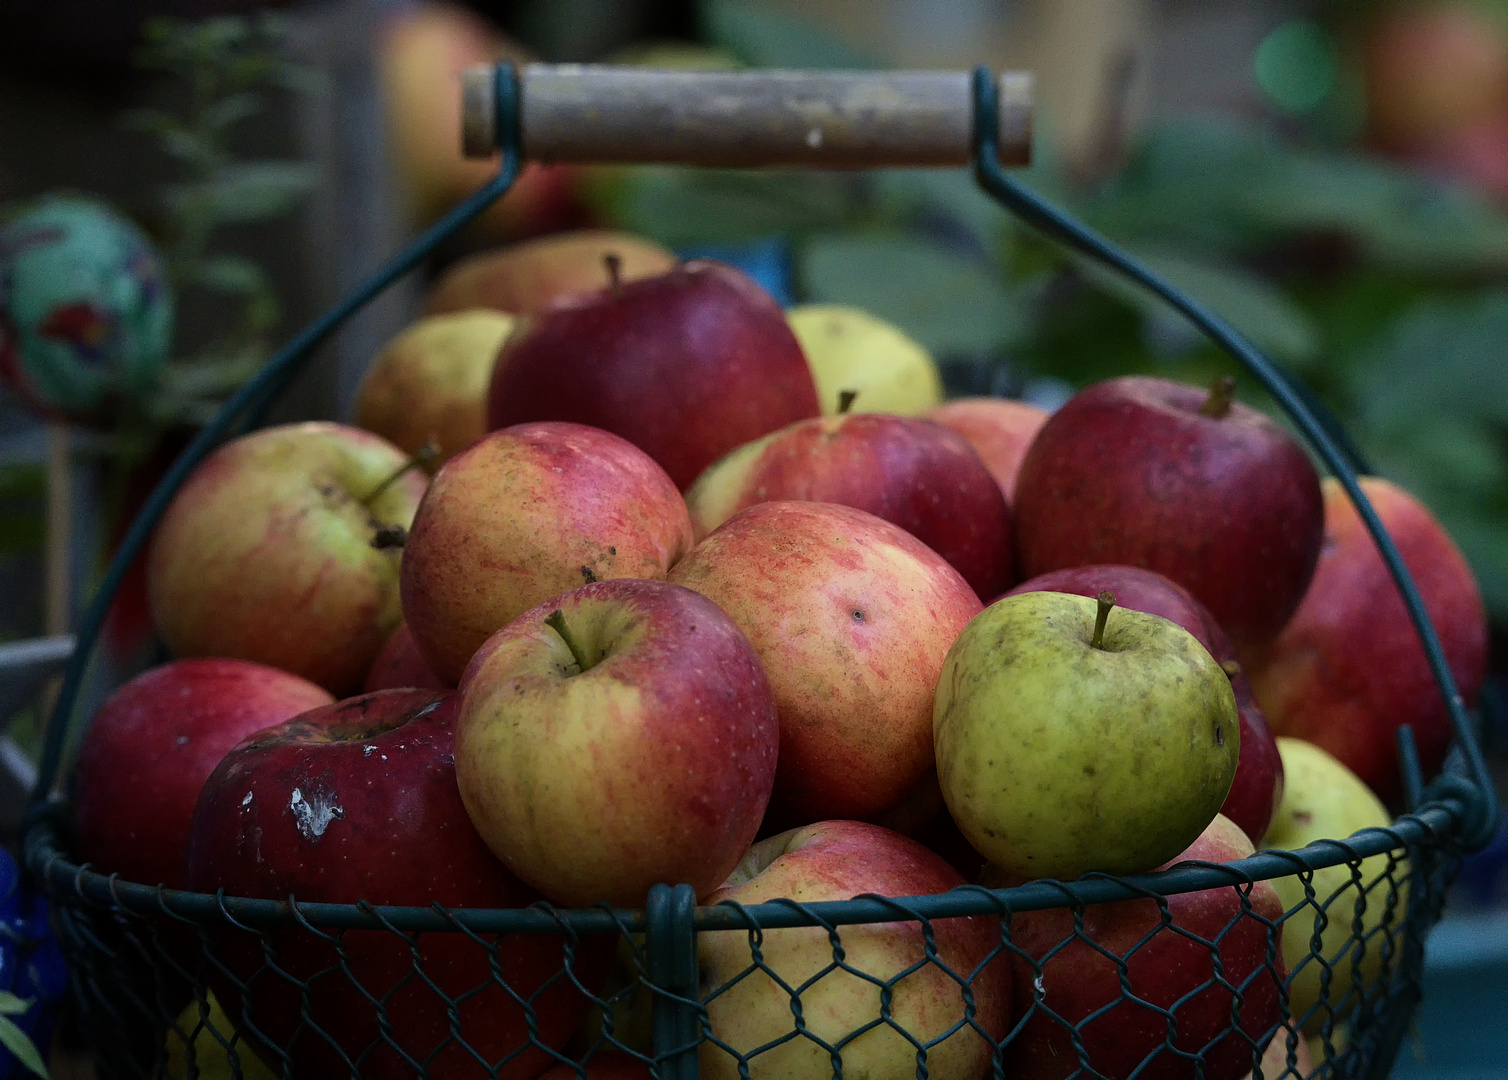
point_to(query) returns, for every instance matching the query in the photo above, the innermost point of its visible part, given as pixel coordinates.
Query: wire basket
(1046, 979)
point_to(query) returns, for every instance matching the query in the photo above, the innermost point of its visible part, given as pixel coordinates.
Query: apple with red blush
(400, 664)
(1000, 431)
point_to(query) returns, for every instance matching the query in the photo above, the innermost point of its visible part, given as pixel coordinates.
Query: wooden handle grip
(829, 119)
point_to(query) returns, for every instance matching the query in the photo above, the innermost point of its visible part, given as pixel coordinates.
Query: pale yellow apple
(850, 349)
(210, 1038)
(1322, 799)
(431, 381)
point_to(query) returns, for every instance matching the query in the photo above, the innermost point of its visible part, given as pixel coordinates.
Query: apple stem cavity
(614, 263)
(389, 536)
(1218, 404)
(845, 400)
(425, 454)
(1106, 601)
(556, 621)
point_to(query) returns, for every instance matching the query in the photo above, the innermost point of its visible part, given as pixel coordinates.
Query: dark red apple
(1151, 473)
(1258, 787)
(914, 473)
(358, 801)
(686, 366)
(611, 1065)
(1162, 962)
(153, 744)
(399, 664)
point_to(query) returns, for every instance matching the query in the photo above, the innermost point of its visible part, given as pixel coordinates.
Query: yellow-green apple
(839, 860)
(1349, 668)
(1204, 490)
(358, 800)
(1083, 968)
(153, 744)
(1258, 785)
(851, 350)
(206, 1045)
(911, 472)
(528, 278)
(1324, 800)
(528, 513)
(266, 553)
(852, 617)
(430, 383)
(999, 430)
(1072, 737)
(685, 365)
(620, 735)
(399, 664)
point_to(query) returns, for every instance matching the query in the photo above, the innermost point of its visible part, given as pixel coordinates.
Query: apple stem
(1221, 396)
(1106, 602)
(426, 454)
(845, 400)
(614, 263)
(556, 621)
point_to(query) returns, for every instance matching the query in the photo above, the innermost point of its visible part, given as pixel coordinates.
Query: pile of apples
(704, 591)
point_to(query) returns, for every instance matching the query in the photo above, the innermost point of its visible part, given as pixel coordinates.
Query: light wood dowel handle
(829, 119)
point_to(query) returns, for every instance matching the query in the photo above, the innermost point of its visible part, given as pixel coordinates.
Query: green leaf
(229, 110)
(12, 1005)
(950, 303)
(764, 37)
(246, 192)
(230, 274)
(20, 1045)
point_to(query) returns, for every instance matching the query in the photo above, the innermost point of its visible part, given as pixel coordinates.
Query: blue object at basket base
(766, 261)
(31, 963)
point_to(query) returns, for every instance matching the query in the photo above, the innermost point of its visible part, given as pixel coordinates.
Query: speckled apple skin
(999, 430)
(653, 765)
(1078, 979)
(358, 801)
(1057, 758)
(1348, 670)
(152, 745)
(851, 617)
(528, 513)
(839, 860)
(914, 473)
(265, 553)
(1258, 786)
(1129, 472)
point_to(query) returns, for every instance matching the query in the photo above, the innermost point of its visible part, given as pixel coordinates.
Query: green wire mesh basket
(170, 983)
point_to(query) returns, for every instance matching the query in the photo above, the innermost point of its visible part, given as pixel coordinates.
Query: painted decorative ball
(86, 311)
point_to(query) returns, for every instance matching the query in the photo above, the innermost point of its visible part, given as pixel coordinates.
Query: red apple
(1151, 473)
(266, 552)
(839, 860)
(686, 366)
(528, 513)
(1000, 431)
(1162, 962)
(152, 745)
(528, 278)
(610, 1065)
(1349, 669)
(852, 617)
(617, 736)
(913, 473)
(399, 664)
(1258, 786)
(358, 800)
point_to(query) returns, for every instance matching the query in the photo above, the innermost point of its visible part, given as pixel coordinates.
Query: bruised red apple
(399, 664)
(152, 745)
(1349, 669)
(527, 278)
(358, 800)
(913, 473)
(528, 513)
(620, 735)
(999, 430)
(851, 617)
(840, 860)
(686, 366)
(1151, 473)
(1163, 962)
(266, 553)
(1258, 786)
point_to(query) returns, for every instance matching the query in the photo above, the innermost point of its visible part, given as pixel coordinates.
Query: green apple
(1071, 737)
(850, 349)
(1322, 799)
